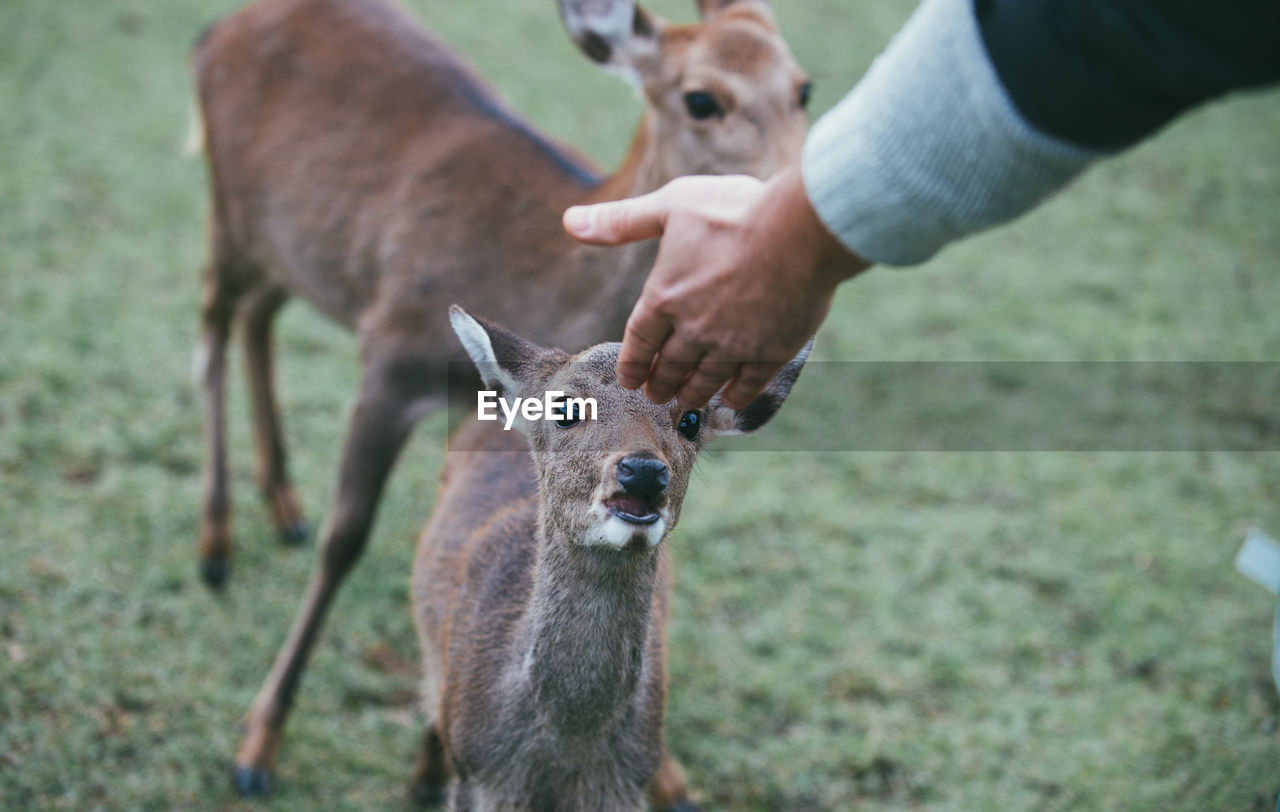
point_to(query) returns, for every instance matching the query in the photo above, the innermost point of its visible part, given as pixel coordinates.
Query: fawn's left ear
(505, 361)
(725, 422)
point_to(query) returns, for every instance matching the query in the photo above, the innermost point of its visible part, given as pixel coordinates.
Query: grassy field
(881, 630)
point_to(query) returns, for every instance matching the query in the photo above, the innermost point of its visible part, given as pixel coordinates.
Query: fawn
(540, 585)
(357, 163)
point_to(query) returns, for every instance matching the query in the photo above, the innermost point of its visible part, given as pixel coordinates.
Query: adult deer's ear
(707, 9)
(616, 34)
(723, 421)
(505, 361)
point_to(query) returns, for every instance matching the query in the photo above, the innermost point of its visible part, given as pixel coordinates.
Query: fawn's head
(725, 95)
(617, 480)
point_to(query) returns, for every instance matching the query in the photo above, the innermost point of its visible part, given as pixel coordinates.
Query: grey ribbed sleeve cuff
(928, 147)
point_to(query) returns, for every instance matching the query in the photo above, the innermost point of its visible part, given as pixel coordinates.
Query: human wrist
(829, 260)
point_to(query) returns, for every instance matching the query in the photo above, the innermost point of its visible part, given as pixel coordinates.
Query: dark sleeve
(1108, 73)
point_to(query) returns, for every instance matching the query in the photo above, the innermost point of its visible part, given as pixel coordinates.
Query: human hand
(745, 273)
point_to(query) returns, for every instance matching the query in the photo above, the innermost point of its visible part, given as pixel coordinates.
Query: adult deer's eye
(690, 424)
(572, 415)
(701, 105)
(806, 90)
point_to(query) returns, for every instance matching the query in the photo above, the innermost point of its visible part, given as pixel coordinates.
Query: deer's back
(359, 160)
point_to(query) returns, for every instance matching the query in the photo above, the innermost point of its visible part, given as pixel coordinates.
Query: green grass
(946, 630)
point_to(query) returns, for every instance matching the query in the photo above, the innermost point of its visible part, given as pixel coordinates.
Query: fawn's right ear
(617, 34)
(723, 421)
(505, 360)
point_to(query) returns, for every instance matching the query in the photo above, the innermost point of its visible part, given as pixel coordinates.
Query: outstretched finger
(619, 221)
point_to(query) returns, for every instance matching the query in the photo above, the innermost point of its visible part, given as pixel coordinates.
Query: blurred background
(965, 630)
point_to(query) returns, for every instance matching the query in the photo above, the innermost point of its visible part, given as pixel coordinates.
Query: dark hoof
(295, 534)
(214, 571)
(424, 794)
(251, 782)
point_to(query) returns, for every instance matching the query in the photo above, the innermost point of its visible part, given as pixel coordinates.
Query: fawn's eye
(690, 424)
(701, 105)
(572, 414)
(806, 90)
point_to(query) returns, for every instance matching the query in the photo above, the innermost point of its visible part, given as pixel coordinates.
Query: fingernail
(578, 219)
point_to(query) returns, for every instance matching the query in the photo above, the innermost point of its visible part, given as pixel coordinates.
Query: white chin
(616, 533)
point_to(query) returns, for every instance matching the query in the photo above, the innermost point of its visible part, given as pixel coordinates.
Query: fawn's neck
(582, 653)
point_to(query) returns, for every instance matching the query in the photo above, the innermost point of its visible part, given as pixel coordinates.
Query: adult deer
(357, 163)
(540, 585)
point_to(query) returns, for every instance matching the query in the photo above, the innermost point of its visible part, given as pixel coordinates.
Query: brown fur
(543, 651)
(357, 163)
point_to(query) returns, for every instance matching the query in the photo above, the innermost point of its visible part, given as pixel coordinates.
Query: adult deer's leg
(257, 314)
(217, 306)
(381, 421)
(431, 778)
(668, 791)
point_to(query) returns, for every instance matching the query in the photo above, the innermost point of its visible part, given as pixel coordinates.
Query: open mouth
(632, 509)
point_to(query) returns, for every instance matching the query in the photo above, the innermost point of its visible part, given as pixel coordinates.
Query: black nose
(643, 476)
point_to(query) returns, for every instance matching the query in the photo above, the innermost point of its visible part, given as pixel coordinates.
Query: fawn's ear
(505, 360)
(725, 422)
(616, 34)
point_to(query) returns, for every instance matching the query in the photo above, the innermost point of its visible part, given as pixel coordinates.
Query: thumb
(618, 222)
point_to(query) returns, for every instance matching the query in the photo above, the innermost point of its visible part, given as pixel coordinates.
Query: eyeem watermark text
(553, 406)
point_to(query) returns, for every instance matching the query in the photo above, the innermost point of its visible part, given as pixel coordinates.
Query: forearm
(933, 143)
(1108, 73)
(928, 147)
